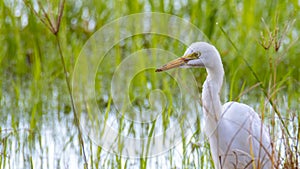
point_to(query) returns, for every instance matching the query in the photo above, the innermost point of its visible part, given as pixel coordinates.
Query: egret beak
(178, 62)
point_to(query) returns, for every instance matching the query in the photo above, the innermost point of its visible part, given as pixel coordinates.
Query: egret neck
(211, 103)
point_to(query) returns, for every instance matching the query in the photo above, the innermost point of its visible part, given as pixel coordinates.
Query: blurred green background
(34, 94)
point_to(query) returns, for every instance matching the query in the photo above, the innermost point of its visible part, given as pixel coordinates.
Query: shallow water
(41, 133)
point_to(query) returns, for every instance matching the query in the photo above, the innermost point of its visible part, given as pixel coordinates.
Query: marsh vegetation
(42, 40)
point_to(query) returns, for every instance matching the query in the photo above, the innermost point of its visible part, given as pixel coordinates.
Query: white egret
(237, 137)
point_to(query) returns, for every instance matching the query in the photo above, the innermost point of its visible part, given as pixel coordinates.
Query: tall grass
(258, 42)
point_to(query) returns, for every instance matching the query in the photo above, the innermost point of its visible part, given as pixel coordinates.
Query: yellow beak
(178, 62)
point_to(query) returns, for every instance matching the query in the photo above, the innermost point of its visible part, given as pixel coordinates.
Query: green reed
(36, 110)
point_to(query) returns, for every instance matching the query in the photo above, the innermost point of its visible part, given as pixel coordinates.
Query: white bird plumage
(237, 136)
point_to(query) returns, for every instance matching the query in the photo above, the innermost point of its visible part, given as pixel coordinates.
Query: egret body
(237, 137)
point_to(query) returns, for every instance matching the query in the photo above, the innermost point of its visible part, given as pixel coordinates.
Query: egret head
(198, 54)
